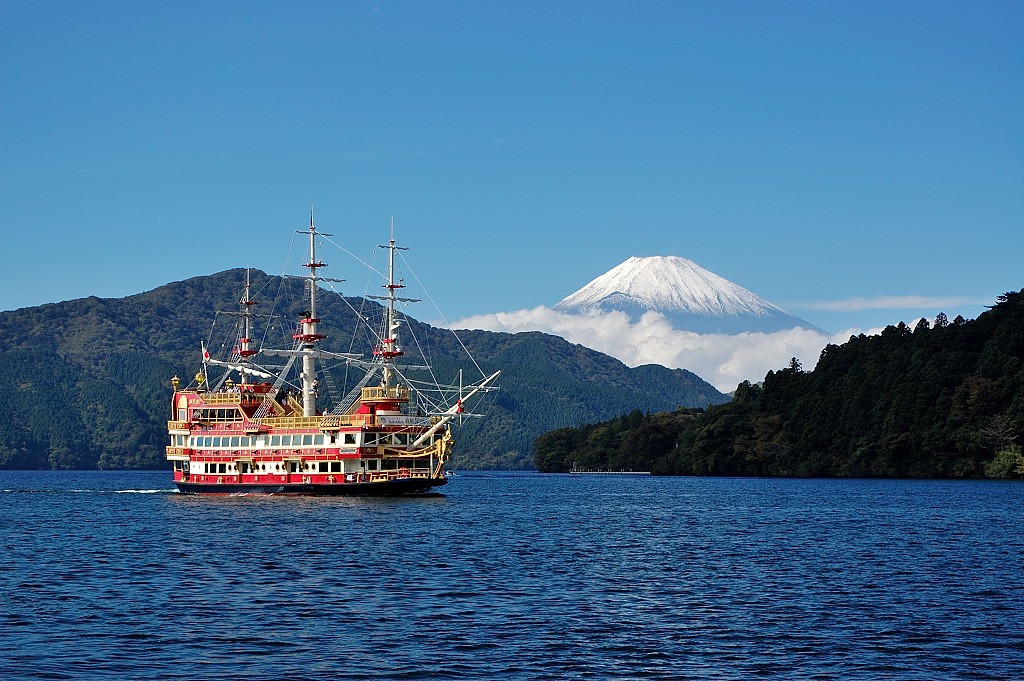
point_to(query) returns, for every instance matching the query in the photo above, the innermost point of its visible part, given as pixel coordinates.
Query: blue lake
(513, 576)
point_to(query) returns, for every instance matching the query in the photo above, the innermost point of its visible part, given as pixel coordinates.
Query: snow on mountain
(690, 297)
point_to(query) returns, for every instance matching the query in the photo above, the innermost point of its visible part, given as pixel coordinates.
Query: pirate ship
(256, 428)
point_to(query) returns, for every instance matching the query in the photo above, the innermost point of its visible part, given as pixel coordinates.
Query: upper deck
(259, 411)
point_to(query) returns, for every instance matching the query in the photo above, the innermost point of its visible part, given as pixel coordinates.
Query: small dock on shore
(580, 471)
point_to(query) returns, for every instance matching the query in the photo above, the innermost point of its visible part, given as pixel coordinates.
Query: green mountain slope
(942, 400)
(85, 383)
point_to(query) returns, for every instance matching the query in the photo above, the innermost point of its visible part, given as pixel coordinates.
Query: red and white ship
(257, 428)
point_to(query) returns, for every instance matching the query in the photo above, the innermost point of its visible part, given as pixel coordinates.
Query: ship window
(389, 465)
(293, 466)
(183, 414)
(371, 465)
(350, 438)
(401, 439)
(370, 439)
(222, 468)
(234, 442)
(216, 442)
(335, 466)
(334, 438)
(324, 466)
(318, 440)
(307, 440)
(275, 440)
(286, 440)
(420, 463)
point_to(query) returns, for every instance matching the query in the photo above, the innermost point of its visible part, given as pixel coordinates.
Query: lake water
(514, 576)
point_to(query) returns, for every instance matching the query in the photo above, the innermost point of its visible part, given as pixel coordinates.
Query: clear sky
(857, 163)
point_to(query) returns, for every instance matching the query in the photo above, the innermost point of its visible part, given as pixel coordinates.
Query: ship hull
(390, 488)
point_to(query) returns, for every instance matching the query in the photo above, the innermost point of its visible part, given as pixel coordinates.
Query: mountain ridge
(86, 381)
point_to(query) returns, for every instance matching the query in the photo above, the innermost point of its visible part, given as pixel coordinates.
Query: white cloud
(722, 360)
(892, 303)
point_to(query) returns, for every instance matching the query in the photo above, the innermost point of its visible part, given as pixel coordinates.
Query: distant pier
(580, 471)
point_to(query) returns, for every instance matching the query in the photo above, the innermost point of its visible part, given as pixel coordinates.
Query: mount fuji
(690, 297)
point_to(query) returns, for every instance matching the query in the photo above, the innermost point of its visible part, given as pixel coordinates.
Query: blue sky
(857, 163)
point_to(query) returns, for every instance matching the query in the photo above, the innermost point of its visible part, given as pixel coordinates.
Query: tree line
(944, 399)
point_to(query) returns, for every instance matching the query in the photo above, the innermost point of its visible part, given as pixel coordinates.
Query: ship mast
(308, 335)
(245, 350)
(389, 348)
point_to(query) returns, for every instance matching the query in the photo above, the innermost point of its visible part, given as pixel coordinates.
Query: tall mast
(389, 348)
(245, 350)
(308, 336)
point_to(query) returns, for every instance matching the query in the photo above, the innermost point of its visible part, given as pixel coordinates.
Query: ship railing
(377, 393)
(329, 422)
(292, 421)
(387, 476)
(334, 421)
(177, 453)
(223, 398)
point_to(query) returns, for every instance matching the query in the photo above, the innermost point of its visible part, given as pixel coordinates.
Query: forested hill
(944, 399)
(85, 383)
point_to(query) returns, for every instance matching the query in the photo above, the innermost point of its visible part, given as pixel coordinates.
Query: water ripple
(513, 577)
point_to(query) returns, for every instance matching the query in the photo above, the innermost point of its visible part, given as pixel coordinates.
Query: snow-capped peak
(666, 284)
(688, 295)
